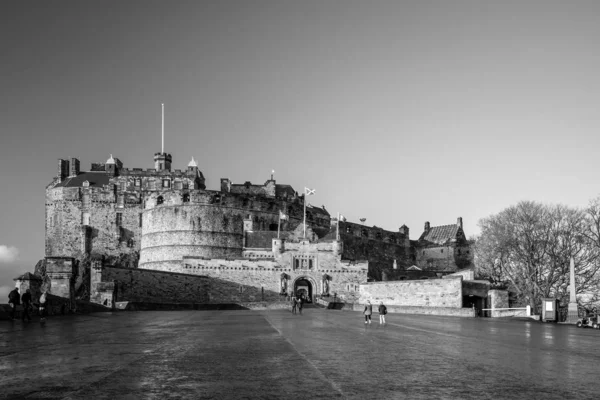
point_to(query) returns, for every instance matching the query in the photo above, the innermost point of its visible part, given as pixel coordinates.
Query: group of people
(382, 309)
(24, 304)
(297, 304)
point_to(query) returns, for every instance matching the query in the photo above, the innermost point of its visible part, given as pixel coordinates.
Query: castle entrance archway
(306, 288)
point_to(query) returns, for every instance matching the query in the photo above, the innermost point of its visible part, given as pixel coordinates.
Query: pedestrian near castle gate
(368, 311)
(382, 311)
(43, 307)
(293, 305)
(14, 299)
(26, 300)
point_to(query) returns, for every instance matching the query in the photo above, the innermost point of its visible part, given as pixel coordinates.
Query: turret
(459, 222)
(112, 166)
(162, 161)
(427, 226)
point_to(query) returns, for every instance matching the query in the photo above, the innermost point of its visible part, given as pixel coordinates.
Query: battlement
(374, 232)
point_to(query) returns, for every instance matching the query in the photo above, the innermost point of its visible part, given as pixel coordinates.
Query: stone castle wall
(421, 293)
(209, 224)
(66, 236)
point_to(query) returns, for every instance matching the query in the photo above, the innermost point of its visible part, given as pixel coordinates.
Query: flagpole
(304, 213)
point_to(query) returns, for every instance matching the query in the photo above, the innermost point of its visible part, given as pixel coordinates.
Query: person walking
(293, 305)
(26, 300)
(43, 307)
(14, 299)
(368, 311)
(382, 311)
(300, 305)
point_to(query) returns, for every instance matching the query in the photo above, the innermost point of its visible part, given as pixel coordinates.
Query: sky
(399, 112)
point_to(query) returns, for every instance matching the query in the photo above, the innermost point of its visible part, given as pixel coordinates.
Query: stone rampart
(421, 293)
(155, 286)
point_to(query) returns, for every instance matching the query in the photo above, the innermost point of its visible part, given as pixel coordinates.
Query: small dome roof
(111, 160)
(193, 163)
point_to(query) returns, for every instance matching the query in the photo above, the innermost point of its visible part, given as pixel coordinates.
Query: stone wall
(155, 286)
(466, 274)
(422, 293)
(65, 232)
(210, 225)
(499, 299)
(261, 280)
(381, 254)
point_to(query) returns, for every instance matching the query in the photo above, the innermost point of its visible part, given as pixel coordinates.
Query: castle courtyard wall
(418, 293)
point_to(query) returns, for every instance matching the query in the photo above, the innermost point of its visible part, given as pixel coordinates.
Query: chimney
(74, 166)
(459, 222)
(427, 227)
(63, 169)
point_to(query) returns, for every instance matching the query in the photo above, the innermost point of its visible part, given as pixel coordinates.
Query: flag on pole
(309, 192)
(282, 215)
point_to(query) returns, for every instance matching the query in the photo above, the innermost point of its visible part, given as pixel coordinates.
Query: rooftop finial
(111, 160)
(272, 173)
(193, 163)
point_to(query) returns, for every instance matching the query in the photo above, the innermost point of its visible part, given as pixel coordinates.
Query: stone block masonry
(421, 293)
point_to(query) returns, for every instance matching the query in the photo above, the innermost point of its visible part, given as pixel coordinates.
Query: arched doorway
(305, 287)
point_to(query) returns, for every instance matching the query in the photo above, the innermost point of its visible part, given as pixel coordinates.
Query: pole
(162, 143)
(304, 213)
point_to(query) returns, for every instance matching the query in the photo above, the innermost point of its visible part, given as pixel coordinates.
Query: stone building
(443, 248)
(166, 220)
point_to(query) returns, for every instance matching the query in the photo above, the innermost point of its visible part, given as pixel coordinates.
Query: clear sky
(397, 111)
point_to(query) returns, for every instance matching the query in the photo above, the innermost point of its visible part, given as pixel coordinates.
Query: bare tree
(529, 246)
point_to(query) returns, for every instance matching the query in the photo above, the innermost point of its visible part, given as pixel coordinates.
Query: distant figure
(300, 305)
(293, 305)
(43, 308)
(26, 300)
(382, 311)
(14, 299)
(368, 311)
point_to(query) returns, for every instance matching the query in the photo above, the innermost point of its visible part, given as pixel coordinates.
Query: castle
(166, 220)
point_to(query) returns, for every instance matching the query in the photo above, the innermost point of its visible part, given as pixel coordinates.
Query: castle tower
(162, 161)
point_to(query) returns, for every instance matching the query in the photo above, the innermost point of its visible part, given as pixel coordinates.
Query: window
(122, 185)
(166, 183)
(138, 183)
(186, 197)
(365, 233)
(140, 220)
(119, 219)
(347, 229)
(442, 250)
(159, 200)
(186, 185)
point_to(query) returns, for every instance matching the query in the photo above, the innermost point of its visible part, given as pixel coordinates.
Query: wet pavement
(274, 355)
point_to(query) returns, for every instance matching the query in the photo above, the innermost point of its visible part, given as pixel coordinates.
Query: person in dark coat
(293, 305)
(26, 300)
(300, 305)
(382, 311)
(14, 299)
(368, 311)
